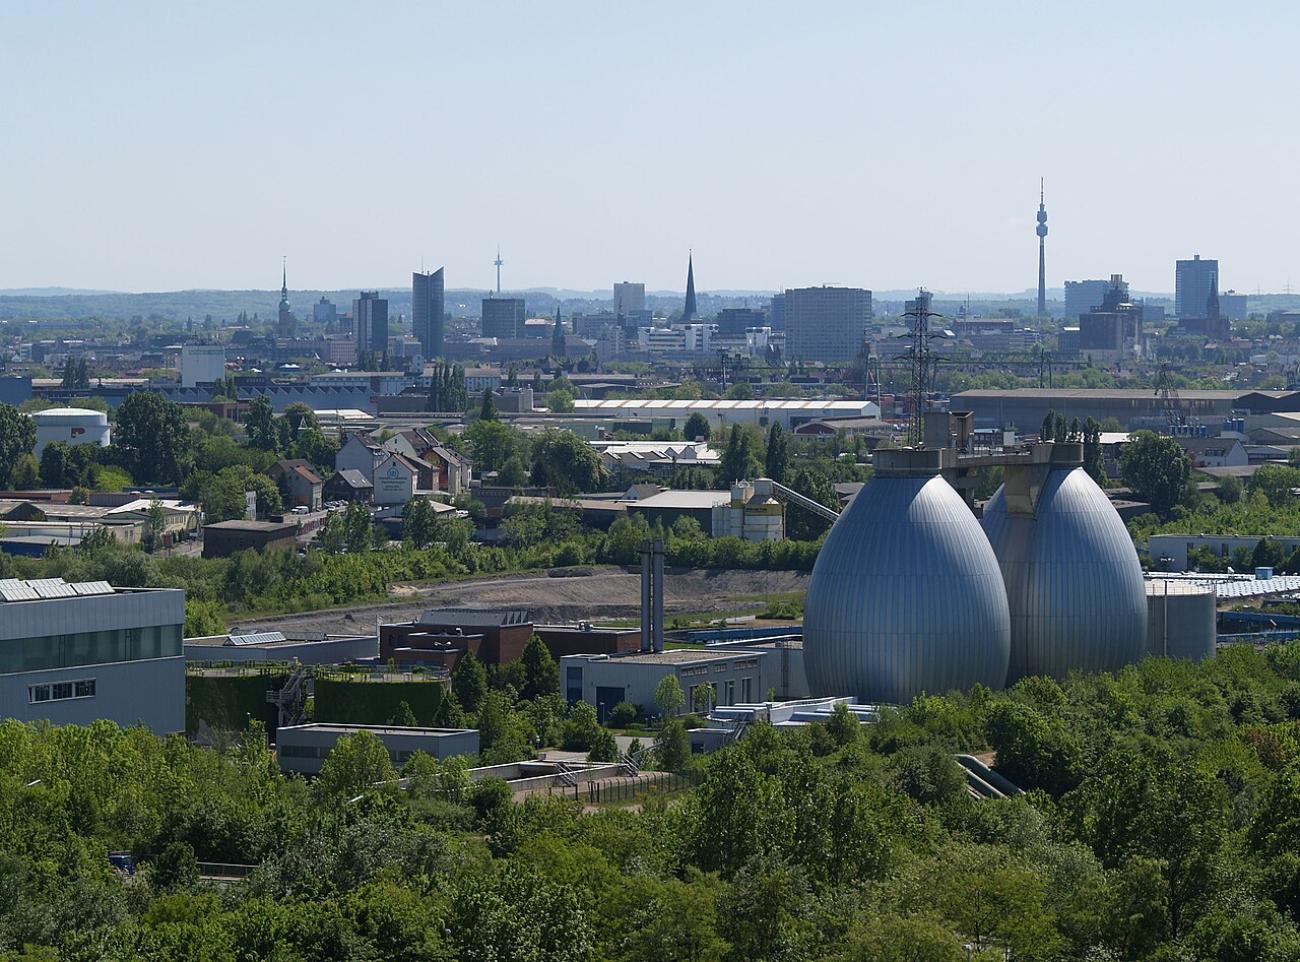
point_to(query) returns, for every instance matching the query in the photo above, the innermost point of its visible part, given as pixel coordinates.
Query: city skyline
(173, 148)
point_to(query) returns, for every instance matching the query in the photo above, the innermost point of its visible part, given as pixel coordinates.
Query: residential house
(349, 485)
(301, 486)
(1221, 452)
(360, 453)
(449, 471)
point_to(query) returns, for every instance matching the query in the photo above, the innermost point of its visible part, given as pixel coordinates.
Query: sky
(160, 146)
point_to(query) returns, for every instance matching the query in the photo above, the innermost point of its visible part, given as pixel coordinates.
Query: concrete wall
(149, 692)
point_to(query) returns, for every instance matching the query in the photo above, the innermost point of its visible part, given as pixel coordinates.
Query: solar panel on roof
(11, 589)
(256, 638)
(51, 588)
(92, 588)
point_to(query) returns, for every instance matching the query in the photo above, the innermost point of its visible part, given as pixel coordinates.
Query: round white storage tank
(71, 426)
(1073, 580)
(906, 596)
(1182, 619)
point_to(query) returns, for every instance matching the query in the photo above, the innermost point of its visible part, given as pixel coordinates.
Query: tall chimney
(659, 595)
(646, 576)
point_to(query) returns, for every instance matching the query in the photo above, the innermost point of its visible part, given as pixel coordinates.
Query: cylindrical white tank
(71, 426)
(1182, 619)
(906, 596)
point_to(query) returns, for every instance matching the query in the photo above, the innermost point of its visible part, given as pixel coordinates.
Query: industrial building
(1170, 552)
(443, 636)
(74, 653)
(302, 749)
(734, 677)
(223, 538)
(906, 596)
(1073, 580)
(306, 648)
(1025, 408)
(748, 510)
(71, 426)
(760, 412)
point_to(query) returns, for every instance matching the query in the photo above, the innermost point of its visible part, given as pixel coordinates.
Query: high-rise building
(1113, 329)
(1233, 305)
(1041, 231)
(503, 317)
(370, 322)
(735, 321)
(286, 323)
(1192, 282)
(428, 311)
(690, 310)
(325, 313)
(826, 323)
(776, 316)
(629, 298)
(1082, 296)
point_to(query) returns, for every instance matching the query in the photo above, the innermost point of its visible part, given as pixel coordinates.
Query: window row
(91, 648)
(61, 691)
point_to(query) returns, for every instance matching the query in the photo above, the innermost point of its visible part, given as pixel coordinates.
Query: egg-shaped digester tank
(1074, 583)
(906, 595)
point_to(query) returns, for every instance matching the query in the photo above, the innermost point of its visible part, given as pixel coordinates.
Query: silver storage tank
(1182, 619)
(1073, 580)
(906, 596)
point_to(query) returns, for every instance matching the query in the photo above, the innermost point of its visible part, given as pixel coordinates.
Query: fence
(610, 790)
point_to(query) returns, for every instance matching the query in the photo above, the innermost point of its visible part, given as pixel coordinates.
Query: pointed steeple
(1212, 302)
(689, 312)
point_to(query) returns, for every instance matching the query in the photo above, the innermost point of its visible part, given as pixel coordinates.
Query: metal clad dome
(906, 597)
(1073, 580)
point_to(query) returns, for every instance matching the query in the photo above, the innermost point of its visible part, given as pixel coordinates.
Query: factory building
(906, 596)
(733, 677)
(1025, 408)
(306, 648)
(760, 412)
(74, 653)
(302, 749)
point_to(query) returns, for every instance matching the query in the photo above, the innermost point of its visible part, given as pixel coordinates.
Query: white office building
(202, 364)
(74, 653)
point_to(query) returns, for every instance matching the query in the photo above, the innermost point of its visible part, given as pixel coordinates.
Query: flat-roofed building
(74, 653)
(603, 681)
(303, 749)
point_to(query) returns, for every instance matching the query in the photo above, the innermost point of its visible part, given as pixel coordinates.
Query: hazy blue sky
(152, 146)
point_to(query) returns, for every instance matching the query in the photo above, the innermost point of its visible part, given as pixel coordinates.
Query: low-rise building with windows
(74, 653)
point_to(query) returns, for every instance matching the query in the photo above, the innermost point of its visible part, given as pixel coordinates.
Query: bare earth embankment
(605, 593)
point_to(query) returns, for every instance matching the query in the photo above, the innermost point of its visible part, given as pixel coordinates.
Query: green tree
(1156, 468)
(565, 462)
(17, 437)
(697, 426)
(356, 762)
(1275, 482)
(151, 433)
(494, 443)
(488, 409)
(1093, 460)
(777, 460)
(358, 528)
(669, 697)
(739, 459)
(469, 682)
(559, 401)
(300, 418)
(673, 746)
(260, 424)
(26, 473)
(57, 469)
(541, 673)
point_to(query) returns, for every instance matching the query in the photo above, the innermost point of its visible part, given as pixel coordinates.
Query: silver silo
(1182, 619)
(906, 596)
(1072, 576)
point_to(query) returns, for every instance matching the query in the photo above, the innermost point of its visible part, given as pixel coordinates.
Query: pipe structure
(646, 635)
(658, 550)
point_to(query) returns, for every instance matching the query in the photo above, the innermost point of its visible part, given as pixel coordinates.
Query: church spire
(689, 313)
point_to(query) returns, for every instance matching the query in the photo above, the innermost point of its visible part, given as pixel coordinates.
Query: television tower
(498, 262)
(1041, 231)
